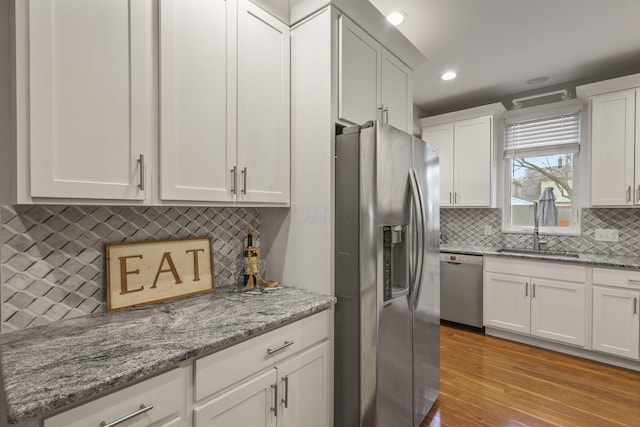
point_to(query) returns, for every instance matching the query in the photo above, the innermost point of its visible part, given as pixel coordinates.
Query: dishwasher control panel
(461, 258)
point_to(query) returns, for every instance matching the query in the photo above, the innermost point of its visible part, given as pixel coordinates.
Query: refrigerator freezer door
(392, 209)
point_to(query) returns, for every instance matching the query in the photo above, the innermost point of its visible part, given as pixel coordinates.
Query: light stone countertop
(596, 260)
(48, 367)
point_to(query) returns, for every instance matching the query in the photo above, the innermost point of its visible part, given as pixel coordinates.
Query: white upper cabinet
(613, 149)
(466, 141)
(102, 117)
(372, 83)
(263, 106)
(441, 137)
(396, 87)
(614, 129)
(89, 102)
(359, 79)
(225, 110)
(197, 152)
(473, 146)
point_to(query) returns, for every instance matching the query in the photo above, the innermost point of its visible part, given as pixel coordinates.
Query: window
(541, 155)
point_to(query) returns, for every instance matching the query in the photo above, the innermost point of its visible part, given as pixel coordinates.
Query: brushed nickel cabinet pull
(533, 291)
(526, 289)
(635, 305)
(275, 399)
(141, 161)
(455, 197)
(280, 347)
(628, 193)
(385, 112)
(142, 410)
(244, 180)
(234, 175)
(450, 197)
(381, 110)
(286, 391)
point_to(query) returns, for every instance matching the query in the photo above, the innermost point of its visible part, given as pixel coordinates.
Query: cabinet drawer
(614, 277)
(544, 270)
(224, 368)
(164, 392)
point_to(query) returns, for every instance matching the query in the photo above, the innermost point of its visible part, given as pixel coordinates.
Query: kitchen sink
(532, 252)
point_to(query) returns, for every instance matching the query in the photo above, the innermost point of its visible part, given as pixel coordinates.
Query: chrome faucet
(536, 222)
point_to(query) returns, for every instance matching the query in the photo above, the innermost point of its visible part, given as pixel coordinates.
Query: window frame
(578, 173)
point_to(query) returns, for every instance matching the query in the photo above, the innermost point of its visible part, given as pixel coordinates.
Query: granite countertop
(598, 260)
(48, 367)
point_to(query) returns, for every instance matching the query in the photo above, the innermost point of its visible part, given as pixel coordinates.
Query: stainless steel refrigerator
(387, 267)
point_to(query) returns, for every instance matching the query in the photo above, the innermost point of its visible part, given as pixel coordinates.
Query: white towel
(547, 210)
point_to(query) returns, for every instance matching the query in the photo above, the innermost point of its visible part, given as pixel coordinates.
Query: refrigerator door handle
(419, 204)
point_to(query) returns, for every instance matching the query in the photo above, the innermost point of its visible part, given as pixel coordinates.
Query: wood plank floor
(487, 381)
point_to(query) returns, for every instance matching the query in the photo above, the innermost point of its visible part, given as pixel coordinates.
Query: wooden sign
(141, 273)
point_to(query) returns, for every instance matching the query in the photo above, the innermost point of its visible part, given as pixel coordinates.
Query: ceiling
(495, 46)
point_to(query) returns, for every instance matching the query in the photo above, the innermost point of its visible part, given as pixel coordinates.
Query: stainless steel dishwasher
(461, 289)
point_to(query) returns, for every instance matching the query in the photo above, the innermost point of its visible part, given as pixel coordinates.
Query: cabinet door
(558, 311)
(472, 162)
(612, 148)
(396, 93)
(506, 302)
(90, 91)
(196, 150)
(358, 77)
(304, 389)
(616, 322)
(441, 137)
(249, 404)
(263, 106)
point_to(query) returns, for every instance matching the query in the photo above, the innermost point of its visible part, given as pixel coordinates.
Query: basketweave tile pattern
(466, 226)
(52, 257)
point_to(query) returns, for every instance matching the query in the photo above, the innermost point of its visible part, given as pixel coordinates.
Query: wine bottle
(250, 262)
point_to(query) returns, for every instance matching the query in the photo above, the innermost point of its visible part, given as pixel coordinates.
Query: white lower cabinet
(506, 302)
(278, 379)
(616, 314)
(293, 393)
(248, 404)
(531, 302)
(304, 389)
(158, 401)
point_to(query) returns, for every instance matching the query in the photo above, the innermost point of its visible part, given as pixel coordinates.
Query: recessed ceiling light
(449, 75)
(537, 80)
(396, 17)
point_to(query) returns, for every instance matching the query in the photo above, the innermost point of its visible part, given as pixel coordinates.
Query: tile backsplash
(466, 226)
(52, 257)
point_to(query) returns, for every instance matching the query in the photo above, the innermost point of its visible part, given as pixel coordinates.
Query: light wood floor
(488, 381)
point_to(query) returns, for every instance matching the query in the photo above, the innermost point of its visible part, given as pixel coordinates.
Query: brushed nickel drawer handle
(628, 193)
(280, 347)
(142, 410)
(635, 305)
(637, 282)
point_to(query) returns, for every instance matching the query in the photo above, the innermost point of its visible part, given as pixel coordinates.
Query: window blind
(543, 136)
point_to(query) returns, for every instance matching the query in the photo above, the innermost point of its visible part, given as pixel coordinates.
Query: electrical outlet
(606, 235)
(487, 230)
